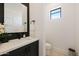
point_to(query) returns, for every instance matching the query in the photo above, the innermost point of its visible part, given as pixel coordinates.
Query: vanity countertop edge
(15, 44)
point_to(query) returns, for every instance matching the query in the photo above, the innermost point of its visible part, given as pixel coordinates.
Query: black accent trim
(28, 27)
(2, 13)
(55, 9)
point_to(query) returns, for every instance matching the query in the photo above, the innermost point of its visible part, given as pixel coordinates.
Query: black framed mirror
(14, 20)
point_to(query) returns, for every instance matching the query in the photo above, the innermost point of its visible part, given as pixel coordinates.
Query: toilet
(48, 49)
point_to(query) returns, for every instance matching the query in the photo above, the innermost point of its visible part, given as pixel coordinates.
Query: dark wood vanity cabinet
(28, 50)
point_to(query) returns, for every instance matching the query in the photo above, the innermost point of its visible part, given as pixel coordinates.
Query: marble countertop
(15, 44)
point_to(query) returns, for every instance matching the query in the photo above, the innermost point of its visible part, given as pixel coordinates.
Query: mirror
(14, 21)
(15, 17)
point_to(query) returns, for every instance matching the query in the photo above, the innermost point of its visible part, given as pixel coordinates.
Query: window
(55, 13)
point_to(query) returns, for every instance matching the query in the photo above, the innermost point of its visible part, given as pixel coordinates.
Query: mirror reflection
(15, 18)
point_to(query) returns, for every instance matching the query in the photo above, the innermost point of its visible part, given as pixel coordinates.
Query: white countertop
(15, 43)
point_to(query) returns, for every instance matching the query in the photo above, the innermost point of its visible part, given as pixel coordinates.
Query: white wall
(36, 13)
(77, 27)
(61, 32)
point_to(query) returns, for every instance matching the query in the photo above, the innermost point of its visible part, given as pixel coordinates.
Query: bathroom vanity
(15, 39)
(20, 47)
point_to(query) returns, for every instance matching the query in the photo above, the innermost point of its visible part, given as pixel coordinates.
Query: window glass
(55, 14)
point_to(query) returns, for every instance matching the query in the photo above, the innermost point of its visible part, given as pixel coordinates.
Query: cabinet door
(34, 48)
(27, 50)
(18, 52)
